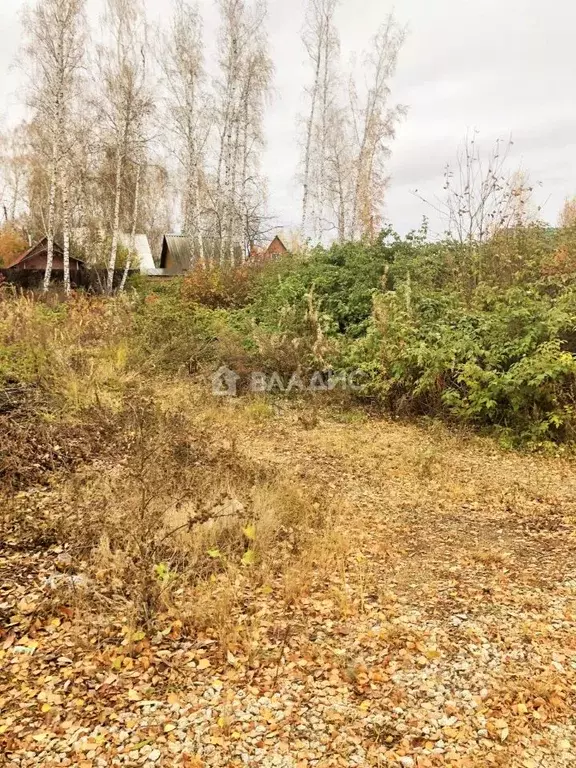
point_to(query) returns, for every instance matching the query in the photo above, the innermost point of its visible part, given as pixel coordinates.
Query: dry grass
(183, 525)
(156, 511)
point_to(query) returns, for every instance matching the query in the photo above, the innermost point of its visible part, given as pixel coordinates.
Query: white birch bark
(116, 216)
(197, 207)
(308, 148)
(51, 216)
(65, 227)
(55, 49)
(322, 44)
(132, 247)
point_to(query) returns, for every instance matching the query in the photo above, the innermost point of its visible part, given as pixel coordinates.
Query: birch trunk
(197, 209)
(65, 228)
(133, 230)
(116, 219)
(51, 217)
(233, 212)
(308, 150)
(243, 204)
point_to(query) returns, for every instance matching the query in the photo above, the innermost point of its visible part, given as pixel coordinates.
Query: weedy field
(201, 581)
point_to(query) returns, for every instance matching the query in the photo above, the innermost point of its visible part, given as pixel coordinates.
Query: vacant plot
(425, 617)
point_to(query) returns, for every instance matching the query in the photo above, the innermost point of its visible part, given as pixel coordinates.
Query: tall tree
(374, 125)
(14, 159)
(125, 98)
(183, 64)
(55, 49)
(243, 88)
(322, 45)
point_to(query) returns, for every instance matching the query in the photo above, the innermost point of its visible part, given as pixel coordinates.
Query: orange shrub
(11, 244)
(226, 287)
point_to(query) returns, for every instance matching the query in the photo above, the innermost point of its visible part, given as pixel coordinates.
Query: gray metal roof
(181, 249)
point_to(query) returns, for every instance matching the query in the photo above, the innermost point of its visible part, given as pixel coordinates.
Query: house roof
(181, 248)
(38, 247)
(278, 239)
(142, 248)
(82, 236)
(259, 252)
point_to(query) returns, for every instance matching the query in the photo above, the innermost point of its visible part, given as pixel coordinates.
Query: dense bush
(483, 334)
(220, 286)
(479, 334)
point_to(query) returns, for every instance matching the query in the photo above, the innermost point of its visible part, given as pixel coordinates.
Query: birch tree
(249, 188)
(125, 98)
(339, 174)
(374, 126)
(183, 64)
(134, 224)
(321, 42)
(55, 49)
(13, 171)
(243, 88)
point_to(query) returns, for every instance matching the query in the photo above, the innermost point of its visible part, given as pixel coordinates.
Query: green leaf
(249, 557)
(250, 531)
(161, 571)
(215, 553)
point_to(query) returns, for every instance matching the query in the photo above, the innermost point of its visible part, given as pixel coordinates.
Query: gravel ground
(447, 637)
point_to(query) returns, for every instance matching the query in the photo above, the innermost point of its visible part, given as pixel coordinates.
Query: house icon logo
(224, 382)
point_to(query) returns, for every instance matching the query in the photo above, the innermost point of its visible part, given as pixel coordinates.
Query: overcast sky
(500, 66)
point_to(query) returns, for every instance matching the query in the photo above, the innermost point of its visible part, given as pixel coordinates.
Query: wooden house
(274, 249)
(32, 262)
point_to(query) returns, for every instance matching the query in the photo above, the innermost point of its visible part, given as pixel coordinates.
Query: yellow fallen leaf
(203, 663)
(45, 707)
(169, 727)
(133, 695)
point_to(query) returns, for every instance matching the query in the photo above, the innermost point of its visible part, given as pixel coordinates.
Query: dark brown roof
(39, 247)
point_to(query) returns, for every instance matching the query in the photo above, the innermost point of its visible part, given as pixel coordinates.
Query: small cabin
(177, 254)
(273, 250)
(276, 248)
(32, 262)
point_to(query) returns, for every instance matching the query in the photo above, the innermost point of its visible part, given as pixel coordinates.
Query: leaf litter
(443, 635)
